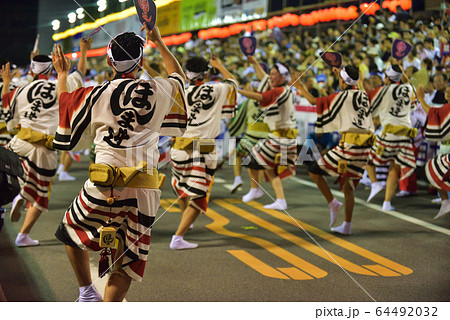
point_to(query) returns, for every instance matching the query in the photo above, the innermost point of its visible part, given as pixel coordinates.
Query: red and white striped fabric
(192, 175)
(438, 172)
(266, 150)
(192, 171)
(355, 156)
(132, 215)
(39, 164)
(395, 148)
(125, 118)
(438, 129)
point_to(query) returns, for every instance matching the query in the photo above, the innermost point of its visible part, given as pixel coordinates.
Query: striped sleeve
(376, 98)
(229, 108)
(10, 108)
(75, 117)
(438, 126)
(175, 121)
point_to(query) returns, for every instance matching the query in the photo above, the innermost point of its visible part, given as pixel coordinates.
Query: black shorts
(62, 235)
(314, 168)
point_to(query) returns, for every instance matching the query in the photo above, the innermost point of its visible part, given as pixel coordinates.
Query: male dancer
(277, 154)
(35, 108)
(124, 117)
(348, 112)
(250, 121)
(392, 104)
(438, 129)
(194, 158)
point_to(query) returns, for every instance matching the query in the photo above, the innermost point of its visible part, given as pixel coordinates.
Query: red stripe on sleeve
(69, 104)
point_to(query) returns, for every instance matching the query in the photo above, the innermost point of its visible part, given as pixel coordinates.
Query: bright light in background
(74, 55)
(80, 13)
(55, 24)
(101, 5)
(72, 17)
(122, 0)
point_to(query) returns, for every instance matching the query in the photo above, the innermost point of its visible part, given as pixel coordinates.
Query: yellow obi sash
(36, 137)
(202, 145)
(258, 126)
(133, 177)
(286, 133)
(359, 139)
(400, 131)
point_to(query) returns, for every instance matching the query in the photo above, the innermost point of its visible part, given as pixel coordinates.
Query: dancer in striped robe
(277, 154)
(392, 104)
(348, 112)
(249, 121)
(193, 156)
(438, 129)
(35, 108)
(124, 118)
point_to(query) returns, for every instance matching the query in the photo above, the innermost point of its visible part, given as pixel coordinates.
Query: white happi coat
(35, 106)
(124, 117)
(192, 172)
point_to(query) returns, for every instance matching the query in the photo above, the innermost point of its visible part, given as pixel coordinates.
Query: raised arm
(421, 97)
(260, 73)
(172, 65)
(216, 63)
(252, 95)
(6, 77)
(305, 93)
(62, 67)
(85, 45)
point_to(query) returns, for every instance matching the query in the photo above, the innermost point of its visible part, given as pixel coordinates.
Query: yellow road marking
(333, 239)
(166, 204)
(220, 221)
(347, 265)
(385, 272)
(295, 274)
(257, 264)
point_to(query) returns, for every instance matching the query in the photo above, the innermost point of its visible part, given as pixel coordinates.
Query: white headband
(125, 66)
(194, 76)
(347, 79)
(41, 67)
(284, 72)
(393, 75)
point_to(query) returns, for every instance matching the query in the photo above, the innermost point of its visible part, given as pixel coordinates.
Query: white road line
(99, 283)
(219, 180)
(379, 208)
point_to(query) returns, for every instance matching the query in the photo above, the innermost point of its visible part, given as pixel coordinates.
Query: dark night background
(20, 20)
(18, 29)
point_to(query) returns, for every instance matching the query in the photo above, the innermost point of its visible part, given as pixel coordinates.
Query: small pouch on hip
(101, 174)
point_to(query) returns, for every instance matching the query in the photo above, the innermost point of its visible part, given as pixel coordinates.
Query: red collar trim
(127, 76)
(43, 77)
(198, 83)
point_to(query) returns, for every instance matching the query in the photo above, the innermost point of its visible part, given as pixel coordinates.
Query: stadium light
(101, 5)
(72, 17)
(122, 0)
(80, 13)
(55, 25)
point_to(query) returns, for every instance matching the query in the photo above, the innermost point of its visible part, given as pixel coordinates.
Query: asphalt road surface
(248, 253)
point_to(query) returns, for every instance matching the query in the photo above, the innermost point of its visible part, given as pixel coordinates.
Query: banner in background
(231, 11)
(169, 17)
(197, 14)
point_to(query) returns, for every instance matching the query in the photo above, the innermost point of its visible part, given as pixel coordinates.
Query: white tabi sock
(89, 294)
(344, 228)
(335, 206)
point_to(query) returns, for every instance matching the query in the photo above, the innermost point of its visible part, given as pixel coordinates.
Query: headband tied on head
(393, 75)
(125, 66)
(347, 79)
(195, 76)
(41, 67)
(283, 71)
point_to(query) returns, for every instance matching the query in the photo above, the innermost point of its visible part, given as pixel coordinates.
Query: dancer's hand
(61, 63)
